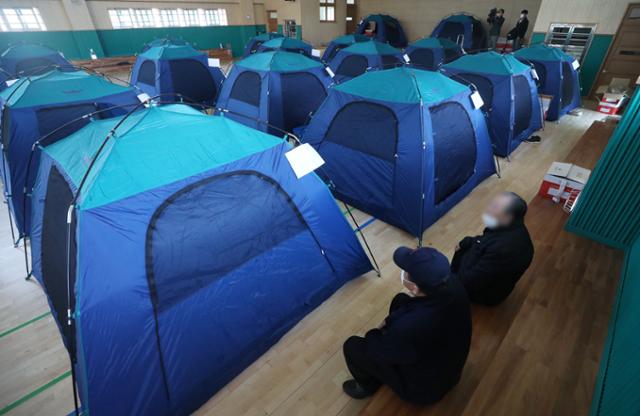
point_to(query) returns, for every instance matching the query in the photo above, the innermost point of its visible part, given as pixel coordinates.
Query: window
(21, 19)
(573, 39)
(327, 10)
(135, 18)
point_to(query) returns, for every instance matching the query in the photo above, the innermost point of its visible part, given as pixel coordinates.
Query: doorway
(272, 20)
(352, 13)
(623, 58)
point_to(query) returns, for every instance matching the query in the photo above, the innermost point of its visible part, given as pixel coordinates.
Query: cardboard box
(562, 179)
(611, 103)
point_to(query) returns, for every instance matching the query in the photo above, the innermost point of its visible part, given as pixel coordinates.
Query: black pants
(364, 370)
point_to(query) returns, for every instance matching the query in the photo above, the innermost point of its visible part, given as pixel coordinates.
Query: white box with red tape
(562, 179)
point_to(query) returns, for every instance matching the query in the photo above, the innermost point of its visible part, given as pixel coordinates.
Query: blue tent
(361, 57)
(167, 67)
(383, 28)
(431, 53)
(286, 45)
(31, 59)
(37, 105)
(558, 76)
(462, 25)
(254, 43)
(194, 249)
(279, 88)
(509, 93)
(341, 42)
(404, 145)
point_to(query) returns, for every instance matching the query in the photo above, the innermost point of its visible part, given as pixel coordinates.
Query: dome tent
(404, 145)
(341, 42)
(384, 29)
(509, 93)
(278, 88)
(558, 77)
(254, 231)
(360, 57)
(254, 43)
(36, 106)
(286, 45)
(31, 59)
(456, 25)
(430, 53)
(169, 67)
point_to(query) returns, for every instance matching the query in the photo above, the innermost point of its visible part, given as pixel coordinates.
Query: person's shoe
(353, 389)
(534, 139)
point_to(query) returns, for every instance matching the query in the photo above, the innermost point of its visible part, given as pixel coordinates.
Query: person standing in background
(495, 20)
(518, 33)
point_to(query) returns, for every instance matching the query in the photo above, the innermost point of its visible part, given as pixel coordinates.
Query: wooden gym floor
(536, 354)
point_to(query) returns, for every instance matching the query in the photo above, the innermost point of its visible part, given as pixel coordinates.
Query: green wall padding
(591, 65)
(119, 42)
(617, 390)
(608, 209)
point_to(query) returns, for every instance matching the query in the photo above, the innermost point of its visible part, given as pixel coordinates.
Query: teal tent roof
(268, 36)
(170, 51)
(435, 43)
(58, 87)
(489, 63)
(542, 52)
(153, 147)
(349, 39)
(403, 85)
(28, 50)
(286, 43)
(278, 61)
(372, 47)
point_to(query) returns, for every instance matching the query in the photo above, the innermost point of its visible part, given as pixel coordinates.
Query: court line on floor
(22, 325)
(34, 393)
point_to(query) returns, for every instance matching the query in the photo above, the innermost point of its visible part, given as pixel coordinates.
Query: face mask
(521, 16)
(489, 221)
(402, 273)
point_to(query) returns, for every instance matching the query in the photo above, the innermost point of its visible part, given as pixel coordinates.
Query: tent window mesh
(352, 66)
(392, 33)
(233, 218)
(541, 70)
(302, 94)
(484, 86)
(521, 104)
(451, 31)
(34, 66)
(335, 51)
(247, 88)
(366, 127)
(49, 119)
(454, 148)
(147, 73)
(193, 80)
(567, 84)
(422, 58)
(390, 61)
(451, 54)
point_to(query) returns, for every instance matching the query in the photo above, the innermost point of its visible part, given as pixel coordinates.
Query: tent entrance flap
(352, 66)
(247, 88)
(51, 118)
(302, 93)
(521, 104)
(198, 86)
(455, 149)
(484, 86)
(567, 84)
(147, 73)
(422, 58)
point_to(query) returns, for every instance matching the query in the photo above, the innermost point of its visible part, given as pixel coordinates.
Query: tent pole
(364, 240)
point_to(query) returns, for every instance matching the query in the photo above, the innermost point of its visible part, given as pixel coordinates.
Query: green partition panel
(608, 210)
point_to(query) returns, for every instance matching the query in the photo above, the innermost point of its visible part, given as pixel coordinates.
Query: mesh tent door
(541, 70)
(334, 52)
(482, 84)
(422, 58)
(147, 73)
(352, 66)
(451, 31)
(454, 148)
(246, 88)
(52, 118)
(450, 54)
(54, 248)
(302, 94)
(392, 33)
(390, 61)
(192, 79)
(366, 135)
(567, 84)
(34, 66)
(521, 104)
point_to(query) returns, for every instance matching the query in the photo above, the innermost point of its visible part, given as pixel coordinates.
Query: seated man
(420, 348)
(489, 265)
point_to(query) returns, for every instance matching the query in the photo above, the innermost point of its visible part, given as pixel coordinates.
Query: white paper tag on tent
(316, 53)
(534, 73)
(214, 62)
(10, 82)
(406, 58)
(476, 99)
(304, 159)
(575, 64)
(143, 97)
(330, 72)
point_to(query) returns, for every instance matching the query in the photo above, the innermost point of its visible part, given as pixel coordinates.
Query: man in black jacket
(420, 348)
(518, 33)
(495, 20)
(490, 265)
